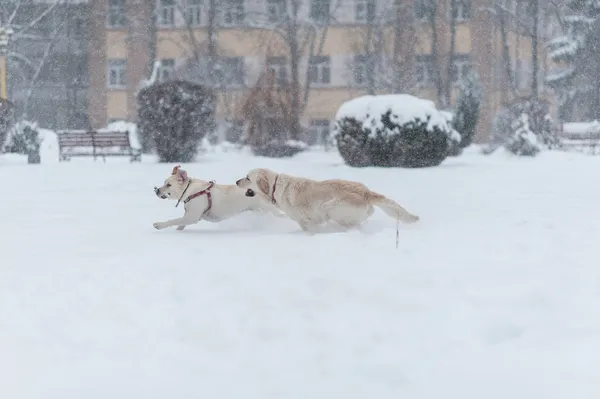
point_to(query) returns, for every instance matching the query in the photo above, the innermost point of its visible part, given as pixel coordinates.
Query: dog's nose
(156, 191)
(237, 182)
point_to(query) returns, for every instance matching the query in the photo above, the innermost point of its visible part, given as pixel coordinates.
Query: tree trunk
(534, 47)
(451, 53)
(506, 54)
(369, 55)
(398, 53)
(439, 88)
(152, 37)
(292, 37)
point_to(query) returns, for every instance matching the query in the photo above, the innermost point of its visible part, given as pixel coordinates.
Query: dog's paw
(180, 227)
(159, 225)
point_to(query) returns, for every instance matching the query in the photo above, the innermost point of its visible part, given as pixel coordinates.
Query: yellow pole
(3, 76)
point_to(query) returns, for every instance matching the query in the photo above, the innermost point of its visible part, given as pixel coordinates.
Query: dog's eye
(168, 185)
(247, 178)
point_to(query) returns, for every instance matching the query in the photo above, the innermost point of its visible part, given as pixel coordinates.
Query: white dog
(206, 200)
(311, 203)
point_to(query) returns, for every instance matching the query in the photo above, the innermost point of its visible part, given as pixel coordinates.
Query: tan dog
(311, 203)
(205, 200)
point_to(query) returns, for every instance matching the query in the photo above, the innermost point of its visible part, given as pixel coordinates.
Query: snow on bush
(27, 138)
(6, 120)
(523, 142)
(392, 130)
(175, 116)
(539, 122)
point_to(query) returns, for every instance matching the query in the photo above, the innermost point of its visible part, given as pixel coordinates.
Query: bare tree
(524, 18)
(453, 14)
(385, 48)
(288, 28)
(40, 47)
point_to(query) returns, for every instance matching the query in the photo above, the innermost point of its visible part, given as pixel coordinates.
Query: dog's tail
(391, 208)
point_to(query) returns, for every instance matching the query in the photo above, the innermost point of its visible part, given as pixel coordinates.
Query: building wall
(478, 37)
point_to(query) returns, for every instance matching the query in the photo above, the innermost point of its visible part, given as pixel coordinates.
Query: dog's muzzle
(157, 192)
(250, 193)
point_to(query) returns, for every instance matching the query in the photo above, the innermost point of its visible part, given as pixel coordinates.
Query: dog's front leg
(186, 220)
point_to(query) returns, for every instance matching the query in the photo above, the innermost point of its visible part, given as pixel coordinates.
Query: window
(165, 71)
(233, 12)
(360, 68)
(460, 67)
(319, 69)
(318, 132)
(116, 13)
(424, 66)
(166, 13)
(462, 10)
(319, 10)
(116, 74)
(278, 65)
(276, 10)
(234, 131)
(230, 71)
(364, 10)
(193, 12)
(422, 9)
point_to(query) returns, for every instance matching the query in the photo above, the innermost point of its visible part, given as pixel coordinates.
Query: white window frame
(233, 71)
(463, 10)
(166, 69)
(280, 68)
(420, 10)
(166, 13)
(116, 14)
(118, 66)
(460, 66)
(319, 70)
(233, 12)
(276, 10)
(364, 11)
(424, 66)
(359, 68)
(321, 5)
(193, 12)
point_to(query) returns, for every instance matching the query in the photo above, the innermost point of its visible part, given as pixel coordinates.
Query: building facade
(335, 39)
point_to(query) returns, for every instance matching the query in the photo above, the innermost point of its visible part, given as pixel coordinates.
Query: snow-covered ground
(495, 294)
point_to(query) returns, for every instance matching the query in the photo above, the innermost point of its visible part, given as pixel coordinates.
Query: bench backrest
(93, 139)
(582, 136)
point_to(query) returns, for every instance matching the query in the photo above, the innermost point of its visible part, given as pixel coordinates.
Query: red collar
(199, 193)
(274, 187)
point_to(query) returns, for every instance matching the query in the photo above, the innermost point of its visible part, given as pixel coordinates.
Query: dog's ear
(175, 169)
(181, 175)
(263, 183)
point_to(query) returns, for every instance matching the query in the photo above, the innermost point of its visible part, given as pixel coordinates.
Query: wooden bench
(581, 136)
(94, 144)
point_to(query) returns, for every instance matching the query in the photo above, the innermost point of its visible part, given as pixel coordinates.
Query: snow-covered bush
(394, 130)
(539, 121)
(24, 138)
(454, 144)
(523, 141)
(468, 105)
(175, 116)
(6, 121)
